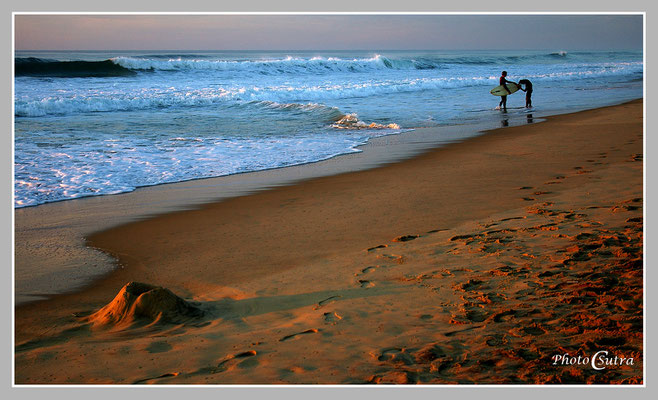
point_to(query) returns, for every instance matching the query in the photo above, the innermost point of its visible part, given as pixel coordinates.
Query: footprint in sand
(430, 353)
(235, 359)
(544, 227)
(296, 335)
(534, 330)
(496, 340)
(469, 285)
(397, 356)
(331, 317)
(167, 375)
(511, 218)
(548, 274)
(491, 297)
(241, 360)
(366, 284)
(381, 246)
(476, 315)
(504, 315)
(326, 301)
(369, 269)
(505, 270)
(465, 237)
(405, 238)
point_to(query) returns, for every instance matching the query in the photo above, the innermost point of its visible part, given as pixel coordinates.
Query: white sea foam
(99, 173)
(267, 66)
(352, 121)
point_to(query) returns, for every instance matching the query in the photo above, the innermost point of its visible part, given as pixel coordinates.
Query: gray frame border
(469, 6)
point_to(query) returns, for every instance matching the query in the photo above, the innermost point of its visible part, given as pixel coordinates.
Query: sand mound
(141, 303)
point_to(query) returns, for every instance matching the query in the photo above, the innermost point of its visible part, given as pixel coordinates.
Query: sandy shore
(473, 263)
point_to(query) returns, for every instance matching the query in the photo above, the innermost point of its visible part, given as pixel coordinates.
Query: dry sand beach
(478, 262)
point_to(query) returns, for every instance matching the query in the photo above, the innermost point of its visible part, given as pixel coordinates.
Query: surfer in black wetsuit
(503, 99)
(527, 90)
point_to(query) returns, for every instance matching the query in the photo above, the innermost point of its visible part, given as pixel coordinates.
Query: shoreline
(71, 221)
(404, 247)
(96, 214)
(73, 265)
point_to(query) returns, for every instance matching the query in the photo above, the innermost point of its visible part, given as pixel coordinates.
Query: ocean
(90, 123)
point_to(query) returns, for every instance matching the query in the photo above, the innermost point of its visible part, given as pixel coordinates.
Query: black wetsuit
(503, 99)
(528, 91)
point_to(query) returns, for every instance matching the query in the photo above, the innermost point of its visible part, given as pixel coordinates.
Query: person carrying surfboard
(528, 91)
(503, 99)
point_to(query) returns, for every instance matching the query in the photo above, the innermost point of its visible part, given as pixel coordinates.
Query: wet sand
(477, 262)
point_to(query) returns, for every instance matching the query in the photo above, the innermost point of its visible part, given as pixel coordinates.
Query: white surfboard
(500, 90)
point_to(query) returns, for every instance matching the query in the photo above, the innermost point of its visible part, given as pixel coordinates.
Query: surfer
(527, 90)
(503, 99)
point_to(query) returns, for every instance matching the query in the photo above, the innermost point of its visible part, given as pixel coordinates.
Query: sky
(327, 32)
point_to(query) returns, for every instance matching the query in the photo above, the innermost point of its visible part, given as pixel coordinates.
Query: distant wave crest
(275, 66)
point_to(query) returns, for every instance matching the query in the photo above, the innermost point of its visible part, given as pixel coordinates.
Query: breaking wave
(69, 69)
